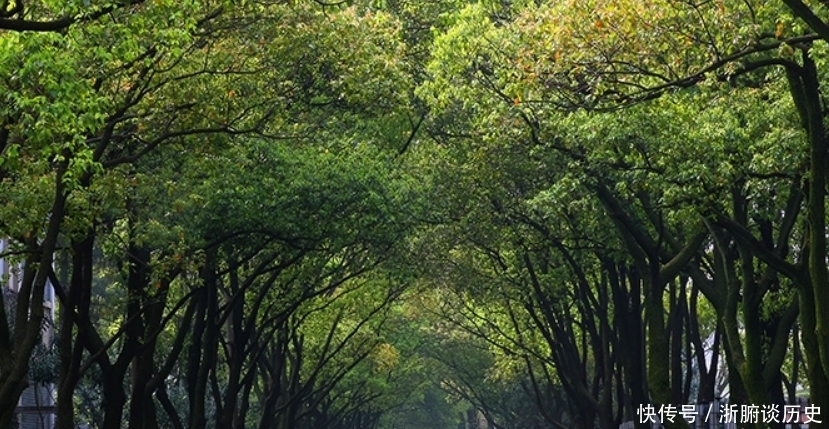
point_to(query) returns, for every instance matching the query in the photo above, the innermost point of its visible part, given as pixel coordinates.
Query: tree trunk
(76, 301)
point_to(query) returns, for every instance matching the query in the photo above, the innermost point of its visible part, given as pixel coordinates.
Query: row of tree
(211, 190)
(302, 214)
(649, 192)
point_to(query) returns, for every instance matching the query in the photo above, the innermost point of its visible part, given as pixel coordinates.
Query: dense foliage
(402, 214)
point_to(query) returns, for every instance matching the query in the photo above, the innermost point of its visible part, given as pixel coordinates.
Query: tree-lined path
(405, 214)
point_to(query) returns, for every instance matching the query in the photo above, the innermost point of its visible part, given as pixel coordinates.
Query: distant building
(36, 409)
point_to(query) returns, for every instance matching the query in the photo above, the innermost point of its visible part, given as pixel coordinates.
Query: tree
(99, 102)
(653, 198)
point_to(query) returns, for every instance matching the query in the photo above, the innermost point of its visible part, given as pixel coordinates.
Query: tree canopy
(401, 214)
